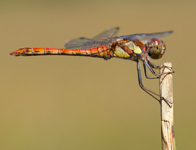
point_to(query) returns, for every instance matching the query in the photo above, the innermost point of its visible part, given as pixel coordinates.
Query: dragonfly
(106, 45)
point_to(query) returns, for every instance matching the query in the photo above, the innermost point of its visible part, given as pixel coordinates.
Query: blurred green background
(81, 103)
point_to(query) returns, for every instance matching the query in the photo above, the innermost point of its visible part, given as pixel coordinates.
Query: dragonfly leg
(145, 63)
(146, 89)
(158, 67)
(146, 74)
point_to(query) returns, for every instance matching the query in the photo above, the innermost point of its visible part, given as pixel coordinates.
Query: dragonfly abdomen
(102, 52)
(35, 51)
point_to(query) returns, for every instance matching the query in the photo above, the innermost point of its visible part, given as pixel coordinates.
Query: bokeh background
(81, 103)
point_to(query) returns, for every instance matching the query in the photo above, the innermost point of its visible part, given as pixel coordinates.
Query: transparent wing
(103, 39)
(110, 32)
(76, 43)
(145, 37)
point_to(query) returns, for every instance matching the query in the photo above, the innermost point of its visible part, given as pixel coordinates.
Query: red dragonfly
(136, 47)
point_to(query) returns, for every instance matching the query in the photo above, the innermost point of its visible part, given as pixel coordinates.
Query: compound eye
(156, 48)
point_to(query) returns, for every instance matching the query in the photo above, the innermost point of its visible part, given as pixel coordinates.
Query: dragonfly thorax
(156, 48)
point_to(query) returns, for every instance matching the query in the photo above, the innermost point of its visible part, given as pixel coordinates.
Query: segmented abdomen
(102, 51)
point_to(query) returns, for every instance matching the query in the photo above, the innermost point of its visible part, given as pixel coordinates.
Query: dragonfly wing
(110, 32)
(76, 43)
(103, 39)
(145, 37)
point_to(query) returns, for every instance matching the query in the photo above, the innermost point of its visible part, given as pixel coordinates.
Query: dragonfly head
(156, 48)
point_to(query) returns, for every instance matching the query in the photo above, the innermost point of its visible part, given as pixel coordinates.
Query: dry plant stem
(167, 111)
